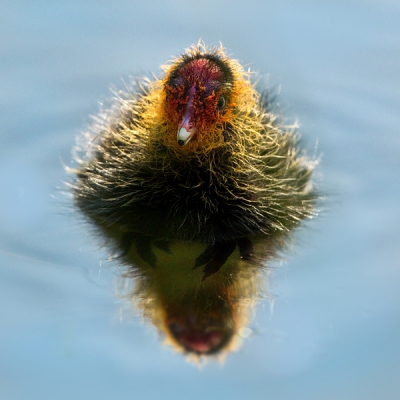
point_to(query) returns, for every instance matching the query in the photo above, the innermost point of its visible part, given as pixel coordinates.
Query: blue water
(334, 331)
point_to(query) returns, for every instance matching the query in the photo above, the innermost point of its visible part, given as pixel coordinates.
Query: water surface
(334, 331)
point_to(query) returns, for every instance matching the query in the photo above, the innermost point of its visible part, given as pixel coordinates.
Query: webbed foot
(214, 256)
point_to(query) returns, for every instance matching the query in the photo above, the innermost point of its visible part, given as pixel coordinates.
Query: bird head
(198, 94)
(202, 92)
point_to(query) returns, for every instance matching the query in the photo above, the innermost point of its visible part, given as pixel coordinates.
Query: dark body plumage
(238, 177)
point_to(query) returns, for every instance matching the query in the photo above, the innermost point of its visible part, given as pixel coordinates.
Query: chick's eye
(221, 102)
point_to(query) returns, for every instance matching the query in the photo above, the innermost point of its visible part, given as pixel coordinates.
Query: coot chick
(195, 156)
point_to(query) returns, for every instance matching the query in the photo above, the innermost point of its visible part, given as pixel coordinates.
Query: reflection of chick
(196, 156)
(200, 318)
(195, 163)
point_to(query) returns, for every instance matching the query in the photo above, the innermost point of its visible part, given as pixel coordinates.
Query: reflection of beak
(185, 131)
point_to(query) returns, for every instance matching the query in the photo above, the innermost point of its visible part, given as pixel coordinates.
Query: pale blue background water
(335, 330)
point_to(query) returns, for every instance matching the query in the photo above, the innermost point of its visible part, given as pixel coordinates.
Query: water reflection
(197, 315)
(197, 182)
